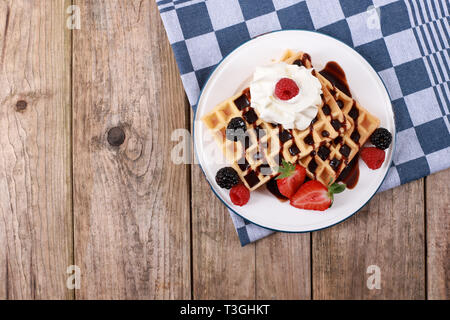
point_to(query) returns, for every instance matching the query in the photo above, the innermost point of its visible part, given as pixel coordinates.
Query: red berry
(373, 157)
(291, 179)
(239, 195)
(286, 89)
(313, 195)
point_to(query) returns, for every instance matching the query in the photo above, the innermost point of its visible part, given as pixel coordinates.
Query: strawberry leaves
(287, 169)
(335, 188)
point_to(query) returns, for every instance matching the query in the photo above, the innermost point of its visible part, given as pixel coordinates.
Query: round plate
(366, 87)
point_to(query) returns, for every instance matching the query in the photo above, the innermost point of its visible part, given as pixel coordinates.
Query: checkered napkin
(405, 41)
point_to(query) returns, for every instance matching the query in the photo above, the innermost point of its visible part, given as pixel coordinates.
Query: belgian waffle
(327, 161)
(257, 159)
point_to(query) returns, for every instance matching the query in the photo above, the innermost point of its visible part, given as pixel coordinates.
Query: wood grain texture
(222, 269)
(388, 233)
(35, 181)
(283, 267)
(438, 231)
(131, 203)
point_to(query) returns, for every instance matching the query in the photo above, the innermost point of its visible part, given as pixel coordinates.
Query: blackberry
(227, 178)
(381, 138)
(236, 129)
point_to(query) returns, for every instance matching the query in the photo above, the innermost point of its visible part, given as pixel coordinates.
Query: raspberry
(240, 195)
(286, 89)
(373, 157)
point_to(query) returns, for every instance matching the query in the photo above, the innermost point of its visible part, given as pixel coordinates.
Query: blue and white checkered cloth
(407, 43)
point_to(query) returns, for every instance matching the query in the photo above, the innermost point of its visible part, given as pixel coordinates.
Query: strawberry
(240, 195)
(291, 178)
(373, 157)
(313, 195)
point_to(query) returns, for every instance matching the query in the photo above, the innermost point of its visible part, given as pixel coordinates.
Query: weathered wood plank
(388, 233)
(131, 203)
(283, 267)
(35, 182)
(222, 269)
(438, 230)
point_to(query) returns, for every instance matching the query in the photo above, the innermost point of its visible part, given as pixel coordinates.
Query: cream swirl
(299, 111)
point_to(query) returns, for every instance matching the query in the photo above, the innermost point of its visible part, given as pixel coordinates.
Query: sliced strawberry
(313, 195)
(291, 178)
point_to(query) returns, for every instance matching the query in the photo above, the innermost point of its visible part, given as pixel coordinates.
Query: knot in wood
(21, 105)
(116, 136)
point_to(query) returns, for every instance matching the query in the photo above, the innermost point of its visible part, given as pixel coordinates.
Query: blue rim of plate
(203, 171)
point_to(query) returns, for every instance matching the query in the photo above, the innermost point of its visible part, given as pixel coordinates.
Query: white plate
(366, 87)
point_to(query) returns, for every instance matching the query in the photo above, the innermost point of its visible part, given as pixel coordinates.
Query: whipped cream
(296, 113)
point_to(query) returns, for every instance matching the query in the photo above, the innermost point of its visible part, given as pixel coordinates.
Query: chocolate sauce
(243, 164)
(354, 112)
(294, 150)
(250, 116)
(252, 179)
(285, 136)
(309, 140)
(323, 152)
(334, 73)
(335, 164)
(345, 150)
(312, 166)
(350, 174)
(355, 136)
(242, 102)
(273, 189)
(326, 110)
(336, 124)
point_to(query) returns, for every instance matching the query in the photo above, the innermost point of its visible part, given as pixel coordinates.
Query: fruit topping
(286, 89)
(227, 178)
(240, 195)
(313, 195)
(381, 138)
(291, 178)
(236, 129)
(373, 157)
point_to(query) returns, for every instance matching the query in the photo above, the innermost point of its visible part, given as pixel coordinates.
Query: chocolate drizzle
(334, 73)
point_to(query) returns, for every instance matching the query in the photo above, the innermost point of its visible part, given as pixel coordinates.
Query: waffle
(327, 161)
(257, 159)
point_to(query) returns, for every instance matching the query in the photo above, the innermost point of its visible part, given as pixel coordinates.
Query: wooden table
(139, 226)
